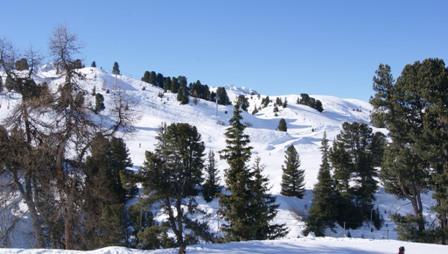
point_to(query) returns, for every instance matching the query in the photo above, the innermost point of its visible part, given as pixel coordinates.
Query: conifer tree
(282, 125)
(93, 65)
(321, 214)
(263, 206)
(116, 69)
(383, 84)
(211, 185)
(1, 84)
(221, 96)
(293, 178)
(172, 176)
(243, 102)
(285, 103)
(99, 103)
(182, 95)
(235, 205)
(104, 206)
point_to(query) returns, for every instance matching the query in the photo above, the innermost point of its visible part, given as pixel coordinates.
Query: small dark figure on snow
(401, 250)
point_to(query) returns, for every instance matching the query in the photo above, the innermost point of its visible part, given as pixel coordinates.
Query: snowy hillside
(305, 129)
(292, 246)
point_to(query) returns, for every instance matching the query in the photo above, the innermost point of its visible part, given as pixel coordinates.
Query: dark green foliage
(93, 64)
(305, 99)
(247, 208)
(243, 102)
(211, 185)
(383, 84)
(1, 84)
(116, 69)
(278, 101)
(354, 172)
(99, 103)
(104, 205)
(265, 102)
(322, 211)
(293, 178)
(264, 208)
(221, 96)
(10, 84)
(285, 103)
(199, 90)
(282, 125)
(22, 64)
(172, 176)
(275, 109)
(182, 95)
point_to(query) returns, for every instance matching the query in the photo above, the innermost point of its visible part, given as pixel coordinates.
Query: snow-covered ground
(305, 129)
(326, 245)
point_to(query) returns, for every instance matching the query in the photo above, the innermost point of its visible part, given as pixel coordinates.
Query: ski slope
(305, 130)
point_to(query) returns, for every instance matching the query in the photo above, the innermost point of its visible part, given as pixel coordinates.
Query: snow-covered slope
(305, 129)
(291, 246)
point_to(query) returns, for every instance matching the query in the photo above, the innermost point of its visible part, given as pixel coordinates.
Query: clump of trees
(307, 100)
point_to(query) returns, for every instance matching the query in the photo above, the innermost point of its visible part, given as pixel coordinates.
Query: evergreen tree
(104, 206)
(221, 96)
(354, 172)
(383, 84)
(265, 101)
(285, 103)
(211, 185)
(175, 85)
(172, 175)
(235, 205)
(255, 110)
(282, 125)
(278, 101)
(146, 77)
(275, 109)
(321, 214)
(293, 178)
(116, 69)
(182, 95)
(99, 103)
(93, 65)
(243, 102)
(263, 206)
(246, 208)
(1, 84)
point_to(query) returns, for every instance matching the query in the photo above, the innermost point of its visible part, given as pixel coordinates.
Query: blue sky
(275, 47)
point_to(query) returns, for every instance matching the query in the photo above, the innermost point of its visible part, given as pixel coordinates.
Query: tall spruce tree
(293, 177)
(235, 205)
(116, 69)
(211, 185)
(322, 211)
(383, 84)
(263, 206)
(93, 65)
(221, 96)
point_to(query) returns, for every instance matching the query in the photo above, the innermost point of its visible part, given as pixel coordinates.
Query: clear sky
(275, 47)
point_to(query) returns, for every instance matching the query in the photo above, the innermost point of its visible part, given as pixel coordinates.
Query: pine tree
(265, 101)
(116, 69)
(221, 96)
(172, 174)
(278, 101)
(285, 103)
(355, 172)
(104, 206)
(243, 102)
(383, 84)
(235, 205)
(282, 125)
(275, 110)
(93, 65)
(182, 95)
(211, 185)
(293, 178)
(263, 206)
(99, 103)
(1, 84)
(321, 214)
